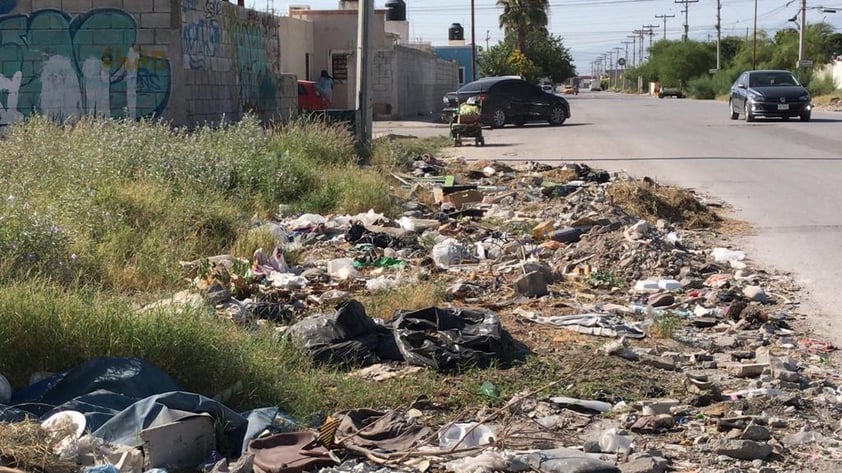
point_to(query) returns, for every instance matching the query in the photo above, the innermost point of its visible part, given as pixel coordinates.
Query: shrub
(702, 88)
(821, 86)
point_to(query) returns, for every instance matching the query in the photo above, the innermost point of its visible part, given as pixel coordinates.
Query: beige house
(406, 81)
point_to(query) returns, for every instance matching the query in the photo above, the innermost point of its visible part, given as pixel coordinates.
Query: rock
(743, 449)
(217, 294)
(725, 341)
(653, 423)
(747, 370)
(645, 464)
(532, 285)
(755, 432)
(591, 446)
(638, 230)
(756, 293)
(661, 300)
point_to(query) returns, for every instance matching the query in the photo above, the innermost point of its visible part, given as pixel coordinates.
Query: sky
(591, 28)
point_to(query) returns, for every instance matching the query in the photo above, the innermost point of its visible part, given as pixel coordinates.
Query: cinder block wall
(188, 61)
(423, 80)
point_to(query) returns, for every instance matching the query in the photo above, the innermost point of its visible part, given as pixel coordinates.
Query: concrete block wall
(422, 81)
(188, 61)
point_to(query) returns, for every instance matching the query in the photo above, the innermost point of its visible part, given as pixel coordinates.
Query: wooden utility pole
(634, 48)
(801, 32)
(664, 17)
(473, 44)
(649, 29)
(686, 16)
(363, 118)
(754, 53)
(718, 33)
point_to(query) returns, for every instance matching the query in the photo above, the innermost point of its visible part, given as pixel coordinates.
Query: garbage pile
(526, 252)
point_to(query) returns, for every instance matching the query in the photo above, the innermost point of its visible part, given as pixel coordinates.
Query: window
(461, 75)
(339, 65)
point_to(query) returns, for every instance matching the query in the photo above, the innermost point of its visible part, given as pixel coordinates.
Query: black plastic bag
(445, 339)
(346, 337)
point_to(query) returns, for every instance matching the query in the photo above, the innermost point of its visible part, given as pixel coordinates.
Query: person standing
(325, 86)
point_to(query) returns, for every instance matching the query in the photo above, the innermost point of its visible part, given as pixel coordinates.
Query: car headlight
(804, 98)
(445, 100)
(754, 96)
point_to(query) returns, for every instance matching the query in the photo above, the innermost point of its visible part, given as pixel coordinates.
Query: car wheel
(660, 96)
(498, 118)
(734, 114)
(749, 116)
(557, 115)
(805, 117)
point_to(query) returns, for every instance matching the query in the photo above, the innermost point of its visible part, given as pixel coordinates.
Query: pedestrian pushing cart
(466, 123)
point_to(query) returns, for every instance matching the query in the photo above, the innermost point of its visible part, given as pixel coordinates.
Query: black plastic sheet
(445, 339)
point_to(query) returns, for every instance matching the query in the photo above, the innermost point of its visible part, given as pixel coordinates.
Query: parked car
(568, 89)
(676, 92)
(769, 94)
(505, 100)
(309, 97)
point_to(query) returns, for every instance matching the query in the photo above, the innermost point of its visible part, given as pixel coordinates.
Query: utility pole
(802, 31)
(634, 49)
(473, 44)
(686, 12)
(363, 118)
(718, 33)
(616, 64)
(651, 32)
(665, 16)
(754, 53)
(627, 43)
(639, 34)
(487, 38)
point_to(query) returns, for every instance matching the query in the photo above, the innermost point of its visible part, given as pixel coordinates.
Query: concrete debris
(710, 367)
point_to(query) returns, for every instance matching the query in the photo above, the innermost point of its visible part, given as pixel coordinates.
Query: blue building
(459, 52)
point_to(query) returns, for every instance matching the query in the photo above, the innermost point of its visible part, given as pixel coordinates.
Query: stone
(658, 406)
(755, 432)
(532, 284)
(645, 464)
(747, 370)
(638, 230)
(756, 293)
(661, 300)
(653, 423)
(743, 449)
(725, 341)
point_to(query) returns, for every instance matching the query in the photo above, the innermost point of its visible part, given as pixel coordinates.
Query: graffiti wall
(67, 65)
(222, 40)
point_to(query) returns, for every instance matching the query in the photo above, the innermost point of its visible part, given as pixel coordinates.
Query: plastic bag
(346, 337)
(451, 253)
(444, 339)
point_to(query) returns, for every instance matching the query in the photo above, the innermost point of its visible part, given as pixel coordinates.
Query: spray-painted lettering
(56, 65)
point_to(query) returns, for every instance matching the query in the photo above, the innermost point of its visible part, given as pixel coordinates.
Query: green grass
(116, 203)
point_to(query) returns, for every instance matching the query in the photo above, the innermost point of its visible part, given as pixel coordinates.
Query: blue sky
(591, 28)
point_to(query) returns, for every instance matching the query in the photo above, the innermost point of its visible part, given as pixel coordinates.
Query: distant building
(458, 52)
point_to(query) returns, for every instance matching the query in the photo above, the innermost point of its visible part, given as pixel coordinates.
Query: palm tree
(519, 16)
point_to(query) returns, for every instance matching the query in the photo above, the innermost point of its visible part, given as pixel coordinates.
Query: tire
(557, 115)
(733, 113)
(805, 117)
(498, 118)
(660, 96)
(749, 116)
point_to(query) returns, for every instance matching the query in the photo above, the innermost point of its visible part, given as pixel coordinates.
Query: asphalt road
(785, 178)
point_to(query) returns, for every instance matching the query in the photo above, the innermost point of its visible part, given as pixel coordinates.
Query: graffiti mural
(257, 82)
(201, 34)
(67, 67)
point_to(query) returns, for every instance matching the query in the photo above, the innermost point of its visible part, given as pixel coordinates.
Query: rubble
(545, 257)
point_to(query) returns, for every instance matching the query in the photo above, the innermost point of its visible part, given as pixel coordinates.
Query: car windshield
(771, 79)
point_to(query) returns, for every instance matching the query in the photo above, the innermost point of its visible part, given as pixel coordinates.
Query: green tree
(545, 51)
(519, 17)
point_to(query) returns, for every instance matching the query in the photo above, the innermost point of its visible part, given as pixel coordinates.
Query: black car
(509, 100)
(769, 94)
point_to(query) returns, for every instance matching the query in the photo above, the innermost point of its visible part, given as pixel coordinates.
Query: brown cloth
(291, 452)
(388, 431)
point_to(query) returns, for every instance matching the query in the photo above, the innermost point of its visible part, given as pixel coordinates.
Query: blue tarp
(122, 396)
